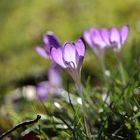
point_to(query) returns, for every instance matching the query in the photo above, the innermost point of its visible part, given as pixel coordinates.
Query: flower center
(71, 65)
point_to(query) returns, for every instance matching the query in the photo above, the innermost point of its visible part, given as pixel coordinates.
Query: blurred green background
(22, 24)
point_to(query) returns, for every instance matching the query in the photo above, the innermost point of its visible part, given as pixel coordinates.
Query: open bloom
(50, 40)
(99, 39)
(51, 86)
(70, 57)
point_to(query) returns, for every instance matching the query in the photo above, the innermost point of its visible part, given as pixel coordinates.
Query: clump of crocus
(49, 40)
(101, 39)
(51, 86)
(70, 57)
(98, 40)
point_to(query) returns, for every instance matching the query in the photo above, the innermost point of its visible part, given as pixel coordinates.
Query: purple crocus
(99, 39)
(70, 57)
(50, 40)
(118, 37)
(54, 76)
(51, 86)
(42, 90)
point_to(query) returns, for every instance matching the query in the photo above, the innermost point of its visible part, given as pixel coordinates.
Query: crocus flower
(70, 57)
(50, 40)
(42, 90)
(118, 37)
(54, 76)
(51, 86)
(99, 39)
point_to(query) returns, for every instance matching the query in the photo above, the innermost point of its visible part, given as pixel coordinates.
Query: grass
(113, 109)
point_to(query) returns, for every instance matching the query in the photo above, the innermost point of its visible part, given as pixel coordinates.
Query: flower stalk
(80, 90)
(120, 66)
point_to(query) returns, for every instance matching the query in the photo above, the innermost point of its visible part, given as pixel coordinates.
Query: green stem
(85, 113)
(121, 68)
(102, 62)
(103, 65)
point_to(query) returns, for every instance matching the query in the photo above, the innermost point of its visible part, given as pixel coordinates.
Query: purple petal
(79, 60)
(69, 53)
(42, 90)
(115, 36)
(87, 37)
(124, 33)
(54, 76)
(80, 47)
(56, 55)
(51, 40)
(41, 52)
(96, 38)
(105, 35)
